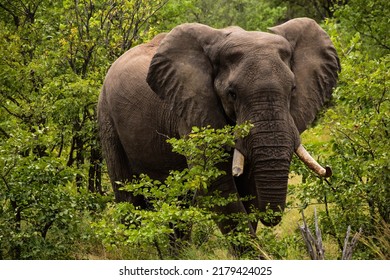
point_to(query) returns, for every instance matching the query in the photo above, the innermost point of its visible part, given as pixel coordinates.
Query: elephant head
(278, 81)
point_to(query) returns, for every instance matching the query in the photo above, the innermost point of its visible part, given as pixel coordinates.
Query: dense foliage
(53, 183)
(54, 56)
(174, 206)
(358, 195)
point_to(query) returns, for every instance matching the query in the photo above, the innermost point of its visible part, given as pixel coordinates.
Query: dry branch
(349, 246)
(314, 245)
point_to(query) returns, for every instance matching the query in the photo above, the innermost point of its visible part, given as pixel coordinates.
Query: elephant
(197, 75)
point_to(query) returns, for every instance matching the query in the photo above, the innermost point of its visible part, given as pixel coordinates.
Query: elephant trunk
(267, 162)
(270, 176)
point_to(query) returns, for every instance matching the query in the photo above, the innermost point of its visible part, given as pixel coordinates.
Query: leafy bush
(248, 14)
(174, 205)
(53, 58)
(358, 194)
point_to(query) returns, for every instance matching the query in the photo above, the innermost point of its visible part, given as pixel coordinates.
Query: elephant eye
(232, 94)
(293, 88)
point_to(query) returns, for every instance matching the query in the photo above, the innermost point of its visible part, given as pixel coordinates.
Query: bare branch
(350, 246)
(314, 245)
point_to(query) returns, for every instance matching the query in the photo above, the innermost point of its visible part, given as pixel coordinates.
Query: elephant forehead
(245, 43)
(258, 58)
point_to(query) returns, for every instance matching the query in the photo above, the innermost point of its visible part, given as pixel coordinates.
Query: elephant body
(135, 123)
(197, 76)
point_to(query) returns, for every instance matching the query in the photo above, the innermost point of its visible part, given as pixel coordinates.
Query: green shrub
(174, 204)
(358, 193)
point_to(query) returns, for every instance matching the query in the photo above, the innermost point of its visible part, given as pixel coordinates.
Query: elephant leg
(232, 217)
(226, 188)
(118, 165)
(246, 189)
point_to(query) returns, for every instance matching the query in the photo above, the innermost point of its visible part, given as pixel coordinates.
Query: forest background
(55, 198)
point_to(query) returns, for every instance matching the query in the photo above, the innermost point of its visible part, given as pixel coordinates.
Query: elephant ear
(181, 73)
(315, 65)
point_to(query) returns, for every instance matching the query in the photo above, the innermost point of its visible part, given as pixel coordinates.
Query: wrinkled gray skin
(198, 76)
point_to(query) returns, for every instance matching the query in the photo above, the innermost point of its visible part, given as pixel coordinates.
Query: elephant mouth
(301, 152)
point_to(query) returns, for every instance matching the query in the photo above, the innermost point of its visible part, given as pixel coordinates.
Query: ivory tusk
(238, 163)
(312, 163)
